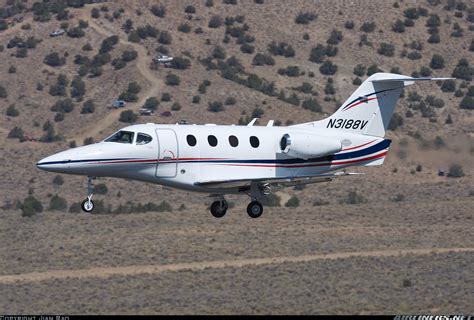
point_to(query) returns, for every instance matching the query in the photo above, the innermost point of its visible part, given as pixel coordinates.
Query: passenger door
(167, 153)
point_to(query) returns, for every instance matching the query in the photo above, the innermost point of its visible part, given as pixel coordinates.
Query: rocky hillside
(234, 60)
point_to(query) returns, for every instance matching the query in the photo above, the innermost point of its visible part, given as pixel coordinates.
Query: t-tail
(369, 109)
(367, 114)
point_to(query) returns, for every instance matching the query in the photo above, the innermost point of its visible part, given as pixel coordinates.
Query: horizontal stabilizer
(410, 79)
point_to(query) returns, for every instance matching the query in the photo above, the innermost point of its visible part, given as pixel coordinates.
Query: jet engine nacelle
(306, 146)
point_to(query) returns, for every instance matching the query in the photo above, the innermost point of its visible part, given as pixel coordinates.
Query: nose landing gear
(88, 205)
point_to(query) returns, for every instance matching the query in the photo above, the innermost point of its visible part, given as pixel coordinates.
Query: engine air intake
(306, 145)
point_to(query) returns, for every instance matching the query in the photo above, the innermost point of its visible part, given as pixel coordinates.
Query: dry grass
(56, 241)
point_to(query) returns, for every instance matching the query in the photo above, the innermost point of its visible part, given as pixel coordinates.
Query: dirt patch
(135, 270)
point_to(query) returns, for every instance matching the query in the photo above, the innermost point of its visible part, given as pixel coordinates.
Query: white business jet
(252, 160)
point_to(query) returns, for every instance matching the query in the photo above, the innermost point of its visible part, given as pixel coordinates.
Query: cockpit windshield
(121, 137)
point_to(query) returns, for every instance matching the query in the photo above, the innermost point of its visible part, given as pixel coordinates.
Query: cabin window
(191, 140)
(254, 142)
(233, 141)
(121, 137)
(212, 141)
(143, 138)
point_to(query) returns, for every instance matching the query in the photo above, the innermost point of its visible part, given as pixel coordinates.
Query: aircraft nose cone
(52, 163)
(40, 164)
(73, 161)
(43, 163)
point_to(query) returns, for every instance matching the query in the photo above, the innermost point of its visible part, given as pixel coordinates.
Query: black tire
(87, 208)
(254, 209)
(217, 210)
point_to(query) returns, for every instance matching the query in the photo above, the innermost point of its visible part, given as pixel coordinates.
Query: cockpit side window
(143, 138)
(121, 137)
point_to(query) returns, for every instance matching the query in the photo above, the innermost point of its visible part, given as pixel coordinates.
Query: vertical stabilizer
(369, 109)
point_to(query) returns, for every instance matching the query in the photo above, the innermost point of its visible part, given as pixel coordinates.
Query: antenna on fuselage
(252, 122)
(270, 123)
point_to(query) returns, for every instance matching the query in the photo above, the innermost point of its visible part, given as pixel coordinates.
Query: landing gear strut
(87, 205)
(219, 208)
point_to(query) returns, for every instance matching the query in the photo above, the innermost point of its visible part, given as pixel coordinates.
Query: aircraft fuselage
(181, 156)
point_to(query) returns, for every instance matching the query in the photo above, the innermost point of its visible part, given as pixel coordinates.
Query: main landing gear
(219, 208)
(88, 205)
(254, 209)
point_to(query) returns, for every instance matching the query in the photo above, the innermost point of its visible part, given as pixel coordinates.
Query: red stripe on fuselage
(251, 165)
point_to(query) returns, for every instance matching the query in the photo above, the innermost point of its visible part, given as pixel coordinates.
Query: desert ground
(371, 258)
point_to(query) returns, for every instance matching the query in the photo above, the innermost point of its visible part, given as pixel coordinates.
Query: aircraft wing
(278, 181)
